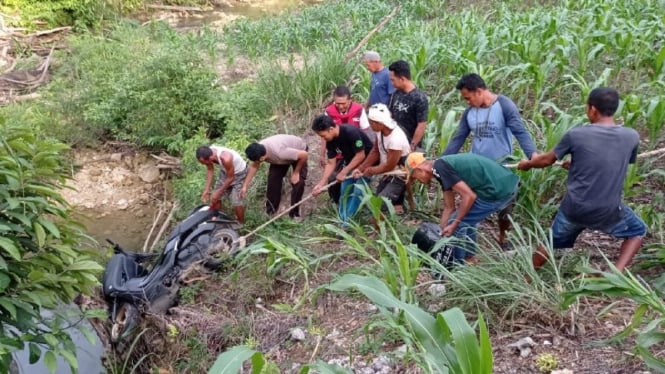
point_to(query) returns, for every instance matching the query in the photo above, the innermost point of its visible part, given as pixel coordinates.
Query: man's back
(489, 180)
(599, 160)
(282, 149)
(350, 140)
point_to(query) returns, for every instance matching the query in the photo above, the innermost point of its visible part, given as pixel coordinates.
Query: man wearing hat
(390, 147)
(483, 185)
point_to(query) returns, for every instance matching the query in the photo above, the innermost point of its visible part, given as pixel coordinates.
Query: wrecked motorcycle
(130, 289)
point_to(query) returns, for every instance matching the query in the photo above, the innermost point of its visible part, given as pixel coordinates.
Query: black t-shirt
(408, 109)
(350, 140)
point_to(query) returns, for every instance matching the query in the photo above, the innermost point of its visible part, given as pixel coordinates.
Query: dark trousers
(276, 174)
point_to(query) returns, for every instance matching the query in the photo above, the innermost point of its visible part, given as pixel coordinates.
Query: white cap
(380, 113)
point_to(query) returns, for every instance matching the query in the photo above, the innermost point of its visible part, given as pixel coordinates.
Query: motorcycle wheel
(126, 318)
(224, 244)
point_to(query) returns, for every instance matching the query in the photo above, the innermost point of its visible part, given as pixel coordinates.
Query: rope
(641, 155)
(241, 240)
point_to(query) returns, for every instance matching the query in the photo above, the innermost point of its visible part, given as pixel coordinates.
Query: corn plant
(505, 284)
(655, 120)
(279, 255)
(445, 343)
(395, 262)
(648, 320)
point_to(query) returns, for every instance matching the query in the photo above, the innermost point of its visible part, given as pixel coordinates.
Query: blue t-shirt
(380, 87)
(493, 129)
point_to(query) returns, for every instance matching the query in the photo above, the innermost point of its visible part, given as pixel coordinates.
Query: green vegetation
(165, 90)
(42, 262)
(649, 316)
(52, 13)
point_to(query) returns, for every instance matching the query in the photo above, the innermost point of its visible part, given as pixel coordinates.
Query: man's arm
(253, 168)
(514, 122)
(457, 141)
(448, 209)
(418, 134)
(539, 161)
(467, 198)
(327, 172)
(355, 161)
(422, 112)
(371, 158)
(302, 161)
(210, 171)
(227, 164)
(391, 162)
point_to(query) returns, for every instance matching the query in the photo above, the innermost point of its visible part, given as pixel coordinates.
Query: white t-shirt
(395, 141)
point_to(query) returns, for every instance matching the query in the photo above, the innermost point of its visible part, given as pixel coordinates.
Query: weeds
(504, 285)
(648, 320)
(122, 366)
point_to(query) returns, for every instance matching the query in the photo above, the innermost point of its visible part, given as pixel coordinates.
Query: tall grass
(504, 285)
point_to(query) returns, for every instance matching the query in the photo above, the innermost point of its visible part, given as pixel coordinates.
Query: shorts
(565, 232)
(234, 188)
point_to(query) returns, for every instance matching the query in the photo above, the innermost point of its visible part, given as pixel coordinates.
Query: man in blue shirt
(494, 120)
(380, 87)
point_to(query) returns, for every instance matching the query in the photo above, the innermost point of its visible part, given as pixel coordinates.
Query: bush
(41, 263)
(63, 12)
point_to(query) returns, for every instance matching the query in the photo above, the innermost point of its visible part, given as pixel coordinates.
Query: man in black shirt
(354, 145)
(408, 104)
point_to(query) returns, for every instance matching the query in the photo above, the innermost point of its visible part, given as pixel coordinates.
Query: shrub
(41, 263)
(63, 12)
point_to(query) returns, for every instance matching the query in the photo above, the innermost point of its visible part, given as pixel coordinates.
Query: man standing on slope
(232, 173)
(599, 156)
(390, 150)
(281, 152)
(354, 145)
(493, 119)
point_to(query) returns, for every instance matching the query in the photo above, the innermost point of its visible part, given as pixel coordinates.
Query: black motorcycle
(130, 289)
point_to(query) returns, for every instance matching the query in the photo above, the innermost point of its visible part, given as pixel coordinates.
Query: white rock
(562, 371)
(116, 157)
(547, 342)
(122, 204)
(334, 334)
(524, 346)
(297, 334)
(437, 290)
(149, 173)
